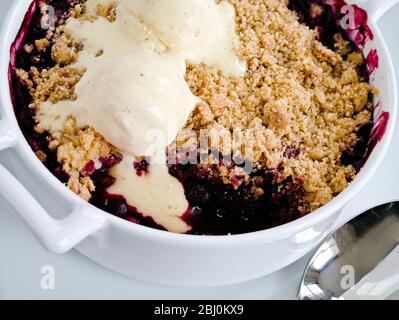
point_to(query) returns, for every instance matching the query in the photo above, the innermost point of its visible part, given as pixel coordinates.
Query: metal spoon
(358, 261)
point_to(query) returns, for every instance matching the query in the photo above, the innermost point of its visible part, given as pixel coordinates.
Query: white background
(21, 256)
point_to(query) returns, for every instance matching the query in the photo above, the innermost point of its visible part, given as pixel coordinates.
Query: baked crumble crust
(76, 147)
(297, 93)
(304, 103)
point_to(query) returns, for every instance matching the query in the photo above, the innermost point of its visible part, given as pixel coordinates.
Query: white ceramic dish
(163, 257)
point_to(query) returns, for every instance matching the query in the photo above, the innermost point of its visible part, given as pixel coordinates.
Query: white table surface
(76, 277)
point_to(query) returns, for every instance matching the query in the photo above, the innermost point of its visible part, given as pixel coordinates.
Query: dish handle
(58, 236)
(377, 8)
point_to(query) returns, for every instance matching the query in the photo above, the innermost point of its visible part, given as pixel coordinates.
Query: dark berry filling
(219, 209)
(141, 167)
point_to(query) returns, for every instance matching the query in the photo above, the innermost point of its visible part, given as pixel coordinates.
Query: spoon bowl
(360, 260)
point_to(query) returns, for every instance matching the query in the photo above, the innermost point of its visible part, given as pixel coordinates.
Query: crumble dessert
(284, 80)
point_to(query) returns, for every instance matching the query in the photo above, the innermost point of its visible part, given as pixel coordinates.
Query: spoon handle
(380, 283)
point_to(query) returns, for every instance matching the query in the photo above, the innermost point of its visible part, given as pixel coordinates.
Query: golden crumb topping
(297, 93)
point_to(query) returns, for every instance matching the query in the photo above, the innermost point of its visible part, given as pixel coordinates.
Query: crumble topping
(304, 102)
(55, 84)
(76, 148)
(297, 93)
(107, 11)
